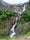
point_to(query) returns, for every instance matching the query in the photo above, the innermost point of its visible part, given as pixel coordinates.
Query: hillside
(8, 18)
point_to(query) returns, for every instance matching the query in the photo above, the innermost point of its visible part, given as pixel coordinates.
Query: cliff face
(11, 7)
(6, 6)
(28, 6)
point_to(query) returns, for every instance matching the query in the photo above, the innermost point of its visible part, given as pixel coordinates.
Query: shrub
(26, 16)
(4, 15)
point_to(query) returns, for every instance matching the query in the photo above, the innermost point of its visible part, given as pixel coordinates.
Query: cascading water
(24, 8)
(16, 22)
(12, 29)
(13, 2)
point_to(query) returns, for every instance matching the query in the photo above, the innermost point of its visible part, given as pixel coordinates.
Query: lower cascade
(12, 29)
(16, 22)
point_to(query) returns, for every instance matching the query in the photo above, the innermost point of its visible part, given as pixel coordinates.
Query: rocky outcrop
(8, 24)
(10, 7)
(18, 29)
(24, 29)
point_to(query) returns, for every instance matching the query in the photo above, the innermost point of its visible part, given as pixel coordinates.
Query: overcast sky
(15, 1)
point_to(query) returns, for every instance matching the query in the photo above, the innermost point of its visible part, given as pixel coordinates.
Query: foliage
(4, 17)
(25, 19)
(26, 16)
(6, 14)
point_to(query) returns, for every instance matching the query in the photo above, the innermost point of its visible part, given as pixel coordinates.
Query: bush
(4, 15)
(26, 16)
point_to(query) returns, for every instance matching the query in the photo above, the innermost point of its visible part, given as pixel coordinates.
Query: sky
(15, 1)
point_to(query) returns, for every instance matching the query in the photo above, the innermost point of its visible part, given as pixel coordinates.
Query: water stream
(12, 29)
(16, 22)
(12, 2)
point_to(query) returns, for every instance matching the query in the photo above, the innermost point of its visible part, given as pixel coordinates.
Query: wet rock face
(18, 29)
(11, 7)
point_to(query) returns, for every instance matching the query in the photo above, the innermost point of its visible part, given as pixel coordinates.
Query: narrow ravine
(16, 22)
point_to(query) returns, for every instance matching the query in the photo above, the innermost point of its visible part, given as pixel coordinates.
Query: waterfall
(13, 2)
(16, 22)
(13, 27)
(24, 8)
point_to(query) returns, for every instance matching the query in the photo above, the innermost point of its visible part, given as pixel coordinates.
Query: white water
(24, 8)
(12, 29)
(12, 2)
(12, 34)
(21, 11)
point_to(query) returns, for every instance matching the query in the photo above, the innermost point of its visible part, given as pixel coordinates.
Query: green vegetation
(4, 15)
(25, 17)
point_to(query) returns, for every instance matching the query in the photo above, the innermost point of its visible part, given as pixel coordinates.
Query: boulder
(26, 27)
